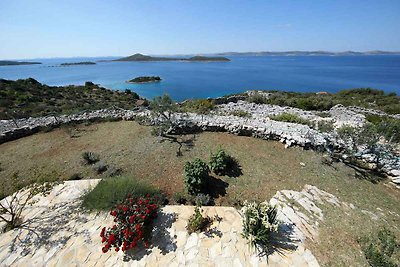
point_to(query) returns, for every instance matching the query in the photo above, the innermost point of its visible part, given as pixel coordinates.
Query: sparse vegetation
(290, 117)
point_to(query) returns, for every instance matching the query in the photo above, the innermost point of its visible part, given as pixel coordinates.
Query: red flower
(125, 209)
(104, 249)
(102, 232)
(111, 239)
(113, 213)
(146, 244)
(132, 219)
(143, 217)
(117, 249)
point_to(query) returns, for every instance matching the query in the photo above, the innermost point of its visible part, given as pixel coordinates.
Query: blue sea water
(183, 80)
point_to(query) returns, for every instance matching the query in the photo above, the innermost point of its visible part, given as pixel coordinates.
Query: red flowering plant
(133, 224)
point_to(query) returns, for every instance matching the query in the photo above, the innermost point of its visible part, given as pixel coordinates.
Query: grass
(266, 168)
(112, 191)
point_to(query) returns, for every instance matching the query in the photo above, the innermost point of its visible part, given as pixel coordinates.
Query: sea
(189, 80)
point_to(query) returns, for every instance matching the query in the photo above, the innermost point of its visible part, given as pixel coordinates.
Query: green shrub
(196, 173)
(90, 157)
(290, 117)
(220, 162)
(110, 192)
(241, 113)
(259, 224)
(380, 251)
(197, 223)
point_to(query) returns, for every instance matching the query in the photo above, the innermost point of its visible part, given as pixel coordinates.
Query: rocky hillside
(30, 98)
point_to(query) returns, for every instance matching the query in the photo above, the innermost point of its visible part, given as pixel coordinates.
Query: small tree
(11, 207)
(163, 110)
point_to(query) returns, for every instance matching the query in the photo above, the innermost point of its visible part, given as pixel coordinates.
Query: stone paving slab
(59, 233)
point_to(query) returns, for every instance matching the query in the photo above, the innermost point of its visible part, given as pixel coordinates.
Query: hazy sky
(58, 28)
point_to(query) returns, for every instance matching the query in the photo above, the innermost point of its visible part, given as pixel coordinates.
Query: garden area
(141, 173)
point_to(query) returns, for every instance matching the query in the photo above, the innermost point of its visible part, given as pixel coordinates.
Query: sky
(89, 28)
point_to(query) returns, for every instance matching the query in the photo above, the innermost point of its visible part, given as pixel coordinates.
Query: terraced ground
(266, 167)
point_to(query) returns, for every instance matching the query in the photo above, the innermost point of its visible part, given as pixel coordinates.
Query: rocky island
(15, 63)
(77, 63)
(140, 57)
(145, 79)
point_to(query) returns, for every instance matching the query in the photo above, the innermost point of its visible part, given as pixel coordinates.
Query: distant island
(140, 57)
(145, 79)
(309, 53)
(78, 63)
(14, 63)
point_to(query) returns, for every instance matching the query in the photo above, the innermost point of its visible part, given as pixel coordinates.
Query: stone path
(58, 233)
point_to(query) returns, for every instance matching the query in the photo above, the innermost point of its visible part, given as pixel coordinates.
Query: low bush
(388, 127)
(110, 192)
(113, 171)
(202, 200)
(259, 224)
(180, 198)
(90, 157)
(75, 176)
(290, 117)
(133, 226)
(196, 173)
(241, 113)
(325, 126)
(257, 98)
(100, 167)
(197, 223)
(380, 250)
(220, 162)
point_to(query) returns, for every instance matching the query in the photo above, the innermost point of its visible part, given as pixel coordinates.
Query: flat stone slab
(57, 232)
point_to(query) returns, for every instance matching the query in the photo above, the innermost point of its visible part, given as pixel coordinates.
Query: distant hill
(13, 63)
(309, 53)
(140, 57)
(78, 63)
(145, 79)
